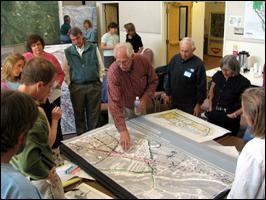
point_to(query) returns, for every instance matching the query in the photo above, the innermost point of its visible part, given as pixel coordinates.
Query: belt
(220, 108)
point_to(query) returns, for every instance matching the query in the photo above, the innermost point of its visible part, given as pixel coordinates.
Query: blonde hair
(253, 103)
(8, 65)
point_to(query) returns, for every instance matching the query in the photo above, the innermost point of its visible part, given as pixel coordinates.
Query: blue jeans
(65, 39)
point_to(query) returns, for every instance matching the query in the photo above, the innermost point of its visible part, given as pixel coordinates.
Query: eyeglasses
(123, 62)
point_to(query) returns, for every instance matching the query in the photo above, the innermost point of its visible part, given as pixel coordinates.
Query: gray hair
(188, 40)
(124, 45)
(230, 62)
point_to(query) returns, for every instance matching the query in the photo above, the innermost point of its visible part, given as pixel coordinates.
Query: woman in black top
(133, 38)
(225, 95)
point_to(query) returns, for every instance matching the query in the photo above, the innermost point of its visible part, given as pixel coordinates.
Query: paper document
(84, 191)
(186, 125)
(56, 93)
(64, 172)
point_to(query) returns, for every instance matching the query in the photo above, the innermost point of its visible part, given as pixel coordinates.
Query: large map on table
(187, 125)
(153, 167)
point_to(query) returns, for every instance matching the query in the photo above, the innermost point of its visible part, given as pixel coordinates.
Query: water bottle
(136, 105)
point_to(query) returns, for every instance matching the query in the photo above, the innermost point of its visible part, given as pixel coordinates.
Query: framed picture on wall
(216, 34)
(217, 25)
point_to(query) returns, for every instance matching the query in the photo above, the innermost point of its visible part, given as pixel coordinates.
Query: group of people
(130, 75)
(90, 33)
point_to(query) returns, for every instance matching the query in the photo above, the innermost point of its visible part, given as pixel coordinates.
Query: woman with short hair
(225, 95)
(90, 33)
(108, 42)
(35, 46)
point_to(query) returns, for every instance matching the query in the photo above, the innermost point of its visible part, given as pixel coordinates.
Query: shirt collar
(80, 50)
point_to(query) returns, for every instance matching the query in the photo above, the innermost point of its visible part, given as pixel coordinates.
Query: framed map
(40, 17)
(154, 167)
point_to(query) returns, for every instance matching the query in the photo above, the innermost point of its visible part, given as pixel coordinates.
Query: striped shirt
(123, 87)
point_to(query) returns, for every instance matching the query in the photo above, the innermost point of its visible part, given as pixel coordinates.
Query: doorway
(111, 14)
(213, 33)
(178, 23)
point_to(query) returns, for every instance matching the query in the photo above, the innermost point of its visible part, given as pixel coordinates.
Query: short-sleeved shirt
(110, 41)
(16, 186)
(227, 94)
(64, 29)
(135, 41)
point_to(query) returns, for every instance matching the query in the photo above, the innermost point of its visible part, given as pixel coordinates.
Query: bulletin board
(237, 21)
(21, 18)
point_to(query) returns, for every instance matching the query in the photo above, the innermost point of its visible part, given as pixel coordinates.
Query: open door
(179, 20)
(111, 14)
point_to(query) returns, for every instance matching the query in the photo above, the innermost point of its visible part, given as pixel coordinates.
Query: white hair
(188, 40)
(124, 45)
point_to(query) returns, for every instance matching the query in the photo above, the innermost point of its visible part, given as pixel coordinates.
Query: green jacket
(85, 68)
(37, 158)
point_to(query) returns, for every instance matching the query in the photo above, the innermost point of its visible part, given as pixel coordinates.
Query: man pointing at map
(130, 76)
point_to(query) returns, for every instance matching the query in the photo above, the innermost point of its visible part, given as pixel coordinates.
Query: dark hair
(33, 38)
(75, 31)
(112, 25)
(88, 22)
(38, 69)
(230, 62)
(66, 17)
(18, 115)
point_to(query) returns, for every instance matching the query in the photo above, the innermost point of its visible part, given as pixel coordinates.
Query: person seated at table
(64, 30)
(225, 95)
(249, 181)
(90, 33)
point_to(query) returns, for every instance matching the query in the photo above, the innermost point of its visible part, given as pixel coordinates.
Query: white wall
(131, 12)
(153, 40)
(256, 48)
(198, 14)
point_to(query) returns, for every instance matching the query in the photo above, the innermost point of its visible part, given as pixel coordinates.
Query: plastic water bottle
(136, 105)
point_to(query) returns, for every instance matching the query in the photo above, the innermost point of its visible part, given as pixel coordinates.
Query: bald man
(186, 85)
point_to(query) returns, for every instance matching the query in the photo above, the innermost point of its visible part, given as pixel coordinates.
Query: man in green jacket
(83, 69)
(36, 160)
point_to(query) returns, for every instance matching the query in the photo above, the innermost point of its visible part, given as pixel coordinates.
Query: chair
(148, 53)
(162, 76)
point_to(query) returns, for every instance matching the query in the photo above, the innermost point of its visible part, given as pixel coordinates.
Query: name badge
(187, 74)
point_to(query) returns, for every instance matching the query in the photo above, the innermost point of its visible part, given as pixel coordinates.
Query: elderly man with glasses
(128, 77)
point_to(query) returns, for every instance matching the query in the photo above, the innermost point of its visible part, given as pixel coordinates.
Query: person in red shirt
(128, 77)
